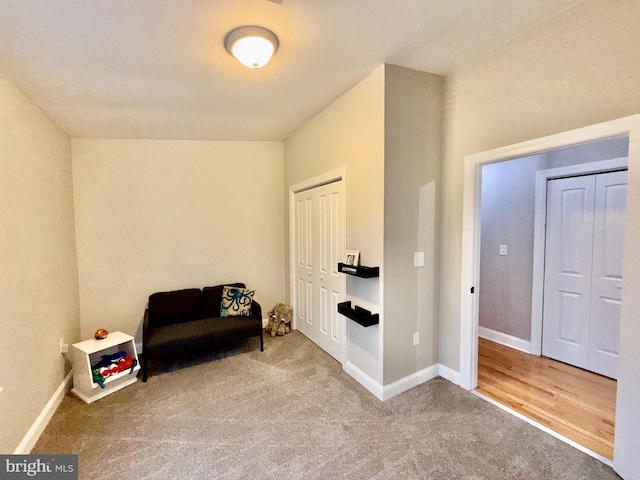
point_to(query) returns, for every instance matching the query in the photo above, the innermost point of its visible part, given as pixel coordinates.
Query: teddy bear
(279, 320)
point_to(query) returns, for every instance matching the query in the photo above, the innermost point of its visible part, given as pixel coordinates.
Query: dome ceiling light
(253, 46)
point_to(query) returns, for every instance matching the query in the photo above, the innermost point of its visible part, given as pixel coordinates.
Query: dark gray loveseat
(189, 320)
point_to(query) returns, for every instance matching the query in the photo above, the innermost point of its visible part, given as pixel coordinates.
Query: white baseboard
(410, 381)
(404, 384)
(265, 322)
(449, 374)
(32, 436)
(363, 379)
(504, 339)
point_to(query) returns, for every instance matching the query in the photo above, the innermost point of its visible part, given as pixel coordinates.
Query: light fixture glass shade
(252, 46)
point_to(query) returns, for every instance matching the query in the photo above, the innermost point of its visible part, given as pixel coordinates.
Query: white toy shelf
(88, 353)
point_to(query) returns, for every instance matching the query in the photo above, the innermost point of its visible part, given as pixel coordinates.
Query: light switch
(418, 259)
(503, 249)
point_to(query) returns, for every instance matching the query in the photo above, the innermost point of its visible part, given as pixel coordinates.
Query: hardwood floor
(575, 403)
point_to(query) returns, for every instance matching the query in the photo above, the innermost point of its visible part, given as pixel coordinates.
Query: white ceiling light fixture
(253, 46)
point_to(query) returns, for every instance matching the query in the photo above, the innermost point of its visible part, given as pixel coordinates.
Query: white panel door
(331, 248)
(583, 271)
(304, 269)
(320, 245)
(568, 258)
(606, 289)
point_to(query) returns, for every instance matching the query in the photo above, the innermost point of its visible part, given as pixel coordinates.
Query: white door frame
(472, 182)
(539, 233)
(324, 179)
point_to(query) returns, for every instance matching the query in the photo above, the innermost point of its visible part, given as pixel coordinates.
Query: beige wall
(39, 277)
(350, 133)
(413, 149)
(162, 215)
(578, 69)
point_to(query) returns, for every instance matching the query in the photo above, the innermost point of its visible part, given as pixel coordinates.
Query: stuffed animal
(279, 320)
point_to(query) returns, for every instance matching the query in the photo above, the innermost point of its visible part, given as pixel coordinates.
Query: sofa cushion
(212, 297)
(200, 334)
(166, 308)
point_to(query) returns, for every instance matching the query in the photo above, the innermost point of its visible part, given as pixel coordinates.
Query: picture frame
(352, 258)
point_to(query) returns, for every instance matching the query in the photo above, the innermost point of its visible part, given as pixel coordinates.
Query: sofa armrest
(256, 310)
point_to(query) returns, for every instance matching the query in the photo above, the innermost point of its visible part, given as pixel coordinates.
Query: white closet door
(568, 258)
(583, 271)
(330, 284)
(320, 244)
(304, 268)
(606, 290)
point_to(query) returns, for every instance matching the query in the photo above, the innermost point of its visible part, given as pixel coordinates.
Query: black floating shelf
(359, 270)
(358, 314)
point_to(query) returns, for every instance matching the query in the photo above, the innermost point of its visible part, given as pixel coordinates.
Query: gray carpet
(292, 413)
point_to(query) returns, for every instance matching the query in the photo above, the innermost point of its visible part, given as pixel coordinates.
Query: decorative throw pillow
(236, 302)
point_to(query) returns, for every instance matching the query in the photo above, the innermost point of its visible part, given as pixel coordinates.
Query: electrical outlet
(418, 259)
(416, 338)
(503, 250)
(64, 346)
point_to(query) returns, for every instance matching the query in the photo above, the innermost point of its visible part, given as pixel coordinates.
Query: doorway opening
(519, 229)
(626, 440)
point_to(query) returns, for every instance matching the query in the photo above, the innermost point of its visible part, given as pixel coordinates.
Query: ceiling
(158, 68)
